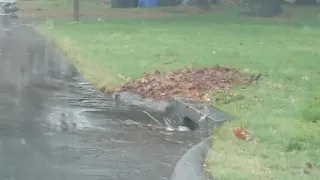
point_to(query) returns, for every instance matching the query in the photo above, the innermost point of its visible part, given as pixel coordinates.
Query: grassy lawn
(280, 112)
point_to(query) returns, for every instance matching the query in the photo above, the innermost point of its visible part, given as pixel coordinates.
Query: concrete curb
(189, 167)
(137, 100)
(206, 116)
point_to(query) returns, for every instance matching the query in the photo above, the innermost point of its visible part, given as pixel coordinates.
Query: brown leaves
(187, 82)
(241, 133)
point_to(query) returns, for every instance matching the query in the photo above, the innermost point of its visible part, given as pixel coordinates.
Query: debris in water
(153, 118)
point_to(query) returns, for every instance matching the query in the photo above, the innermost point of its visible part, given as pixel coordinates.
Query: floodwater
(54, 125)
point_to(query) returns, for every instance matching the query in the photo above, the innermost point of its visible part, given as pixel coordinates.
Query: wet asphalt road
(54, 125)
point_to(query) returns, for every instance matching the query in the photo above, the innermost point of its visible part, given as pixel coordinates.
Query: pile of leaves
(191, 83)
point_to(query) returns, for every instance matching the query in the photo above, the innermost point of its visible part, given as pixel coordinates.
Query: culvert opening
(190, 124)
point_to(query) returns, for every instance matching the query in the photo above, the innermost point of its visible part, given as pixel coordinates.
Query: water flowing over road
(55, 125)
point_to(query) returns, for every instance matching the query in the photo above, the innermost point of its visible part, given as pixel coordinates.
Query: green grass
(282, 112)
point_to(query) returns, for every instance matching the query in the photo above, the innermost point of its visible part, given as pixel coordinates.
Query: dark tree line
(269, 8)
(265, 8)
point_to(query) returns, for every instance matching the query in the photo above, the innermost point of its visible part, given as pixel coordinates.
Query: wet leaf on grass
(241, 133)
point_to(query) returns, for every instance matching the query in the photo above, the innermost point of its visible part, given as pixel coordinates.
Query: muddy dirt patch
(192, 83)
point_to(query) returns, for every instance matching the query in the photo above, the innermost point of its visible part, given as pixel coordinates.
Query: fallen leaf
(206, 98)
(241, 133)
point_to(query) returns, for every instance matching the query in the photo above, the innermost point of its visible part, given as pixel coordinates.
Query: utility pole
(76, 10)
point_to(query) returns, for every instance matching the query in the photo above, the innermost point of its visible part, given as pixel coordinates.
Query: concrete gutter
(189, 167)
(137, 100)
(206, 116)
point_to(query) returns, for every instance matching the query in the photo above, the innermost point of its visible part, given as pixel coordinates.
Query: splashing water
(205, 114)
